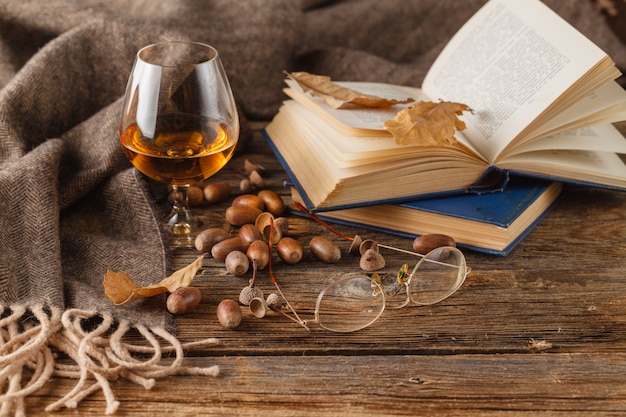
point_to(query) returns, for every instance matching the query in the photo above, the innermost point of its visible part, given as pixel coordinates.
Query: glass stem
(181, 221)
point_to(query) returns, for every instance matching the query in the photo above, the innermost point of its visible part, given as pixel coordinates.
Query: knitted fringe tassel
(31, 339)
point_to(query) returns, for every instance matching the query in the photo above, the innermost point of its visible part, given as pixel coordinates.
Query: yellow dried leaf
(144, 292)
(427, 123)
(120, 288)
(182, 277)
(337, 96)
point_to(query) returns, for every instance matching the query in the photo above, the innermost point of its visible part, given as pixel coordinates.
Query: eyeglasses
(357, 299)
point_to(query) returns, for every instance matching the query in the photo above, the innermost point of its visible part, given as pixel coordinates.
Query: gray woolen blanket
(72, 207)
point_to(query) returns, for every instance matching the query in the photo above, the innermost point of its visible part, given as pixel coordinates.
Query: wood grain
(542, 331)
(396, 385)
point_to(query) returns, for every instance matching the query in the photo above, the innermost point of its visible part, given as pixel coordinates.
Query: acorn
(216, 192)
(183, 300)
(249, 232)
(273, 202)
(249, 200)
(206, 239)
(425, 243)
(221, 249)
(245, 186)
(195, 196)
(238, 215)
(289, 250)
(259, 251)
(325, 249)
(282, 223)
(237, 263)
(229, 313)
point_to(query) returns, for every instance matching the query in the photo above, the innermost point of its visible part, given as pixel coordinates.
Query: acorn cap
(258, 307)
(372, 260)
(249, 293)
(275, 301)
(355, 245)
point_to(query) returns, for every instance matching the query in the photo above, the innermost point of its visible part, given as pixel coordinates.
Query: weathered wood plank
(394, 385)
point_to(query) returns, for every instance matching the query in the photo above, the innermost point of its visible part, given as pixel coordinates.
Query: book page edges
(481, 236)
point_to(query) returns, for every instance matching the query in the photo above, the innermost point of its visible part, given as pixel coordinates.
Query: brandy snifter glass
(179, 123)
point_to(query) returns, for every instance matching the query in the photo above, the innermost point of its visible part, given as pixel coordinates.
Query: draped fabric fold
(71, 208)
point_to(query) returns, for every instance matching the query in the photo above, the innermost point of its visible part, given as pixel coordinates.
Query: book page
(350, 151)
(312, 164)
(604, 138)
(586, 166)
(605, 105)
(509, 63)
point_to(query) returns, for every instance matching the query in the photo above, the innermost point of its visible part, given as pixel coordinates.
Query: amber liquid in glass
(183, 149)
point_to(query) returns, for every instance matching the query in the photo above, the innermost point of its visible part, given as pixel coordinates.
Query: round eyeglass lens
(437, 276)
(349, 304)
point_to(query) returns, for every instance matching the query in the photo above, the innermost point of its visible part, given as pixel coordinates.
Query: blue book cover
(493, 223)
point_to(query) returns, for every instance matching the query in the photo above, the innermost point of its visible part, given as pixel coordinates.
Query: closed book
(493, 223)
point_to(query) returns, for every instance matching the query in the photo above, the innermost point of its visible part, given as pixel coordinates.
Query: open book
(543, 96)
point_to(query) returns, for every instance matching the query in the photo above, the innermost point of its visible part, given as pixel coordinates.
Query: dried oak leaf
(337, 96)
(121, 289)
(427, 123)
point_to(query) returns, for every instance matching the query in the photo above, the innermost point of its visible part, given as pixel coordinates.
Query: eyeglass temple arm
(468, 269)
(306, 211)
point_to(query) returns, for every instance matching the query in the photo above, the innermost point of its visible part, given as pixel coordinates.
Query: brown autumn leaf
(427, 123)
(337, 96)
(121, 289)
(183, 277)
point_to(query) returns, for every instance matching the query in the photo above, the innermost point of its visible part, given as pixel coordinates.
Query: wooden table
(540, 331)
